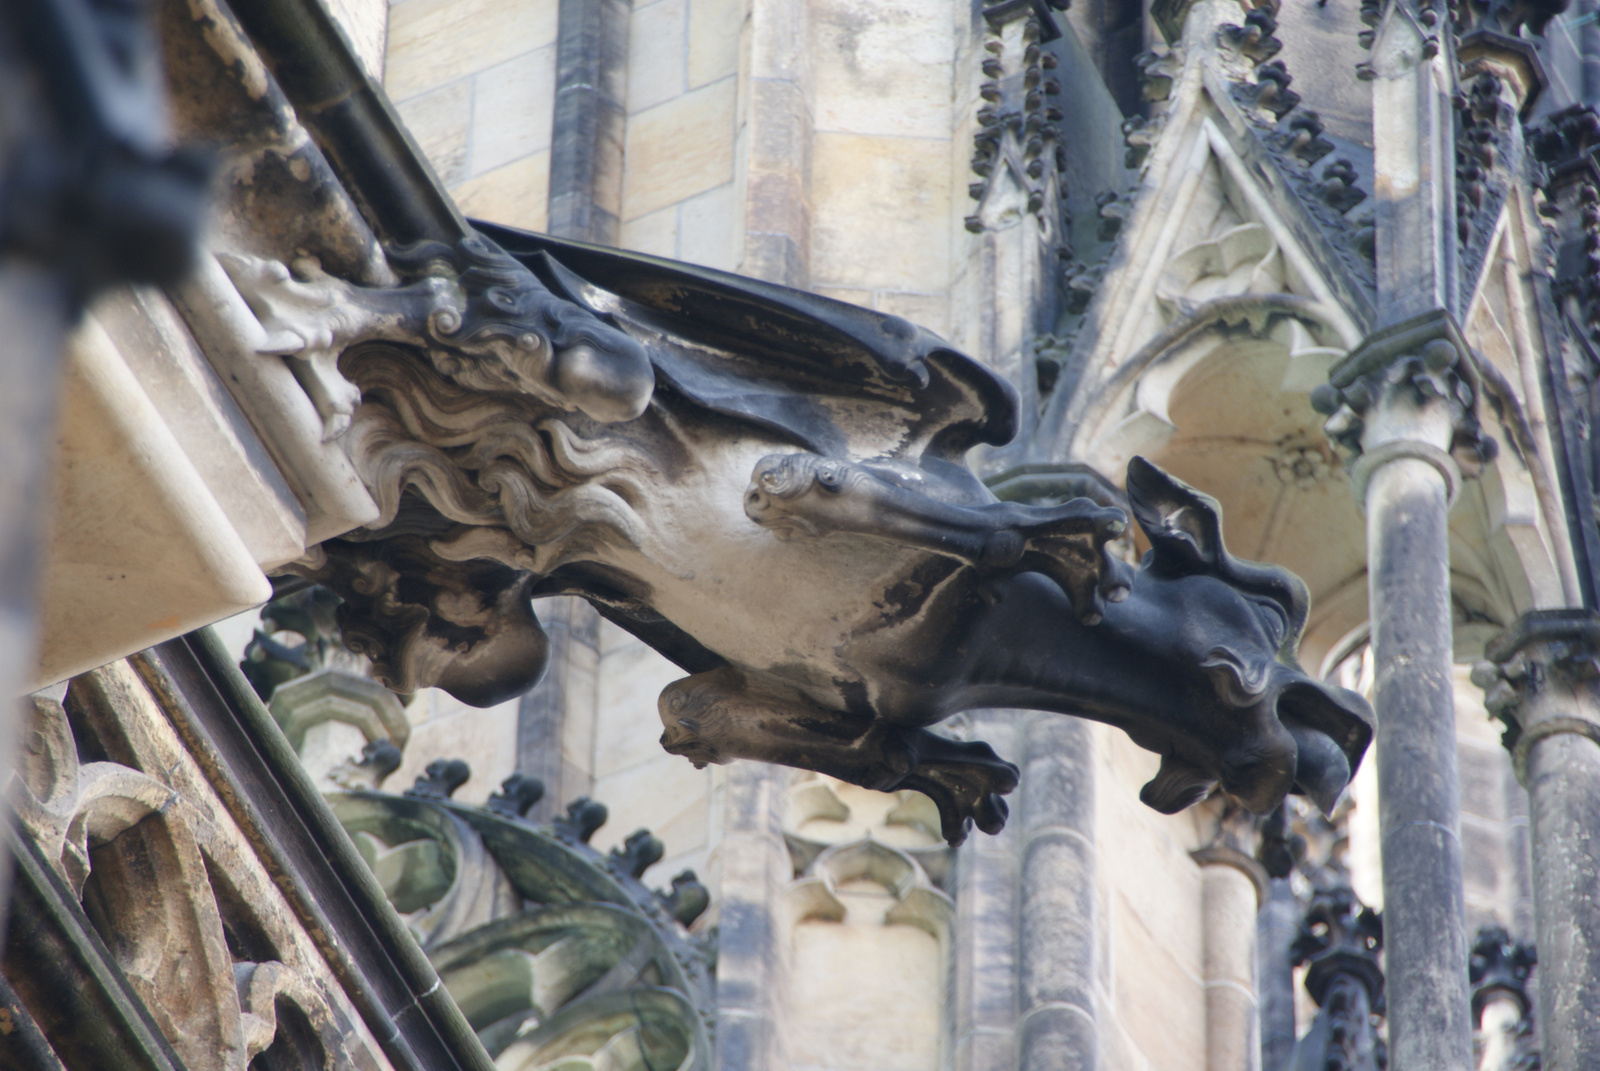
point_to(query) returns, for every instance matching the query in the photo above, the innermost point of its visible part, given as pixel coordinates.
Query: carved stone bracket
(1542, 679)
(1408, 391)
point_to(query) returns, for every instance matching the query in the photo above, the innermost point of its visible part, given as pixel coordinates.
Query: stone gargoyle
(770, 488)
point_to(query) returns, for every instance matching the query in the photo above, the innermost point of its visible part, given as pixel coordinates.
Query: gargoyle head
(1244, 631)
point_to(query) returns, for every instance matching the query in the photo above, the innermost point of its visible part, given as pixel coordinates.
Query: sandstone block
(655, 53)
(709, 229)
(511, 109)
(715, 30)
(440, 121)
(884, 68)
(881, 208)
(516, 194)
(656, 233)
(678, 149)
(432, 42)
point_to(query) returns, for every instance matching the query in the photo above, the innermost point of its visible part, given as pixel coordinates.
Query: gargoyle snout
(610, 384)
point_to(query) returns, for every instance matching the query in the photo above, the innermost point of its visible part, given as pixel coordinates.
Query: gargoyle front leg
(721, 715)
(313, 317)
(481, 316)
(810, 495)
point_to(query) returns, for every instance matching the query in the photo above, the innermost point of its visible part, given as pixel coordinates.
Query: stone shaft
(1564, 790)
(1424, 927)
(1057, 1028)
(1545, 687)
(1228, 906)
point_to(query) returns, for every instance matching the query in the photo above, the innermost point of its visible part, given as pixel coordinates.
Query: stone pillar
(1233, 888)
(777, 139)
(589, 119)
(986, 873)
(1543, 680)
(544, 730)
(1275, 931)
(1402, 403)
(1056, 1026)
(752, 949)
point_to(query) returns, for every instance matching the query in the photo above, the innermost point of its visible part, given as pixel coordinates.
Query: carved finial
(1306, 142)
(584, 816)
(1254, 40)
(1339, 941)
(1339, 188)
(1499, 964)
(309, 614)
(517, 793)
(688, 899)
(379, 759)
(638, 853)
(440, 779)
(1157, 69)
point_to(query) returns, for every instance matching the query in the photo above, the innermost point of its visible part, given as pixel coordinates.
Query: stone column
(1056, 1026)
(1275, 931)
(1543, 680)
(752, 949)
(546, 735)
(985, 878)
(1403, 403)
(1233, 888)
(588, 120)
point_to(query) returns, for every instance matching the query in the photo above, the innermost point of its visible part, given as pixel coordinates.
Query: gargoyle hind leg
(721, 715)
(810, 495)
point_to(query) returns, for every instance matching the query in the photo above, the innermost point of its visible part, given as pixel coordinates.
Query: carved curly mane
(497, 460)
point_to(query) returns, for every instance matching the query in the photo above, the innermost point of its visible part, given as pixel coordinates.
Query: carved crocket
(769, 487)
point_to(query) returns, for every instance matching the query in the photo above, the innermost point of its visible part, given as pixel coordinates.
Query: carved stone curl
(778, 501)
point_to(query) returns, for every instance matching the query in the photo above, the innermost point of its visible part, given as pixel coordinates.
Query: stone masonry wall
(474, 81)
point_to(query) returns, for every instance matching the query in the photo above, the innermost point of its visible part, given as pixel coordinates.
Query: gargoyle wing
(837, 379)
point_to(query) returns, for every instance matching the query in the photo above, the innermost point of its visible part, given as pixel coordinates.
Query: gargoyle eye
(1274, 619)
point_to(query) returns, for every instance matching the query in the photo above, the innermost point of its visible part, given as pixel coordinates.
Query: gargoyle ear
(1184, 525)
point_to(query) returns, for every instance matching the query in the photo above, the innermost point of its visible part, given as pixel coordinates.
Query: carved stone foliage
(113, 802)
(1294, 136)
(866, 899)
(1416, 364)
(1018, 153)
(558, 956)
(784, 511)
(1544, 652)
(1564, 145)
